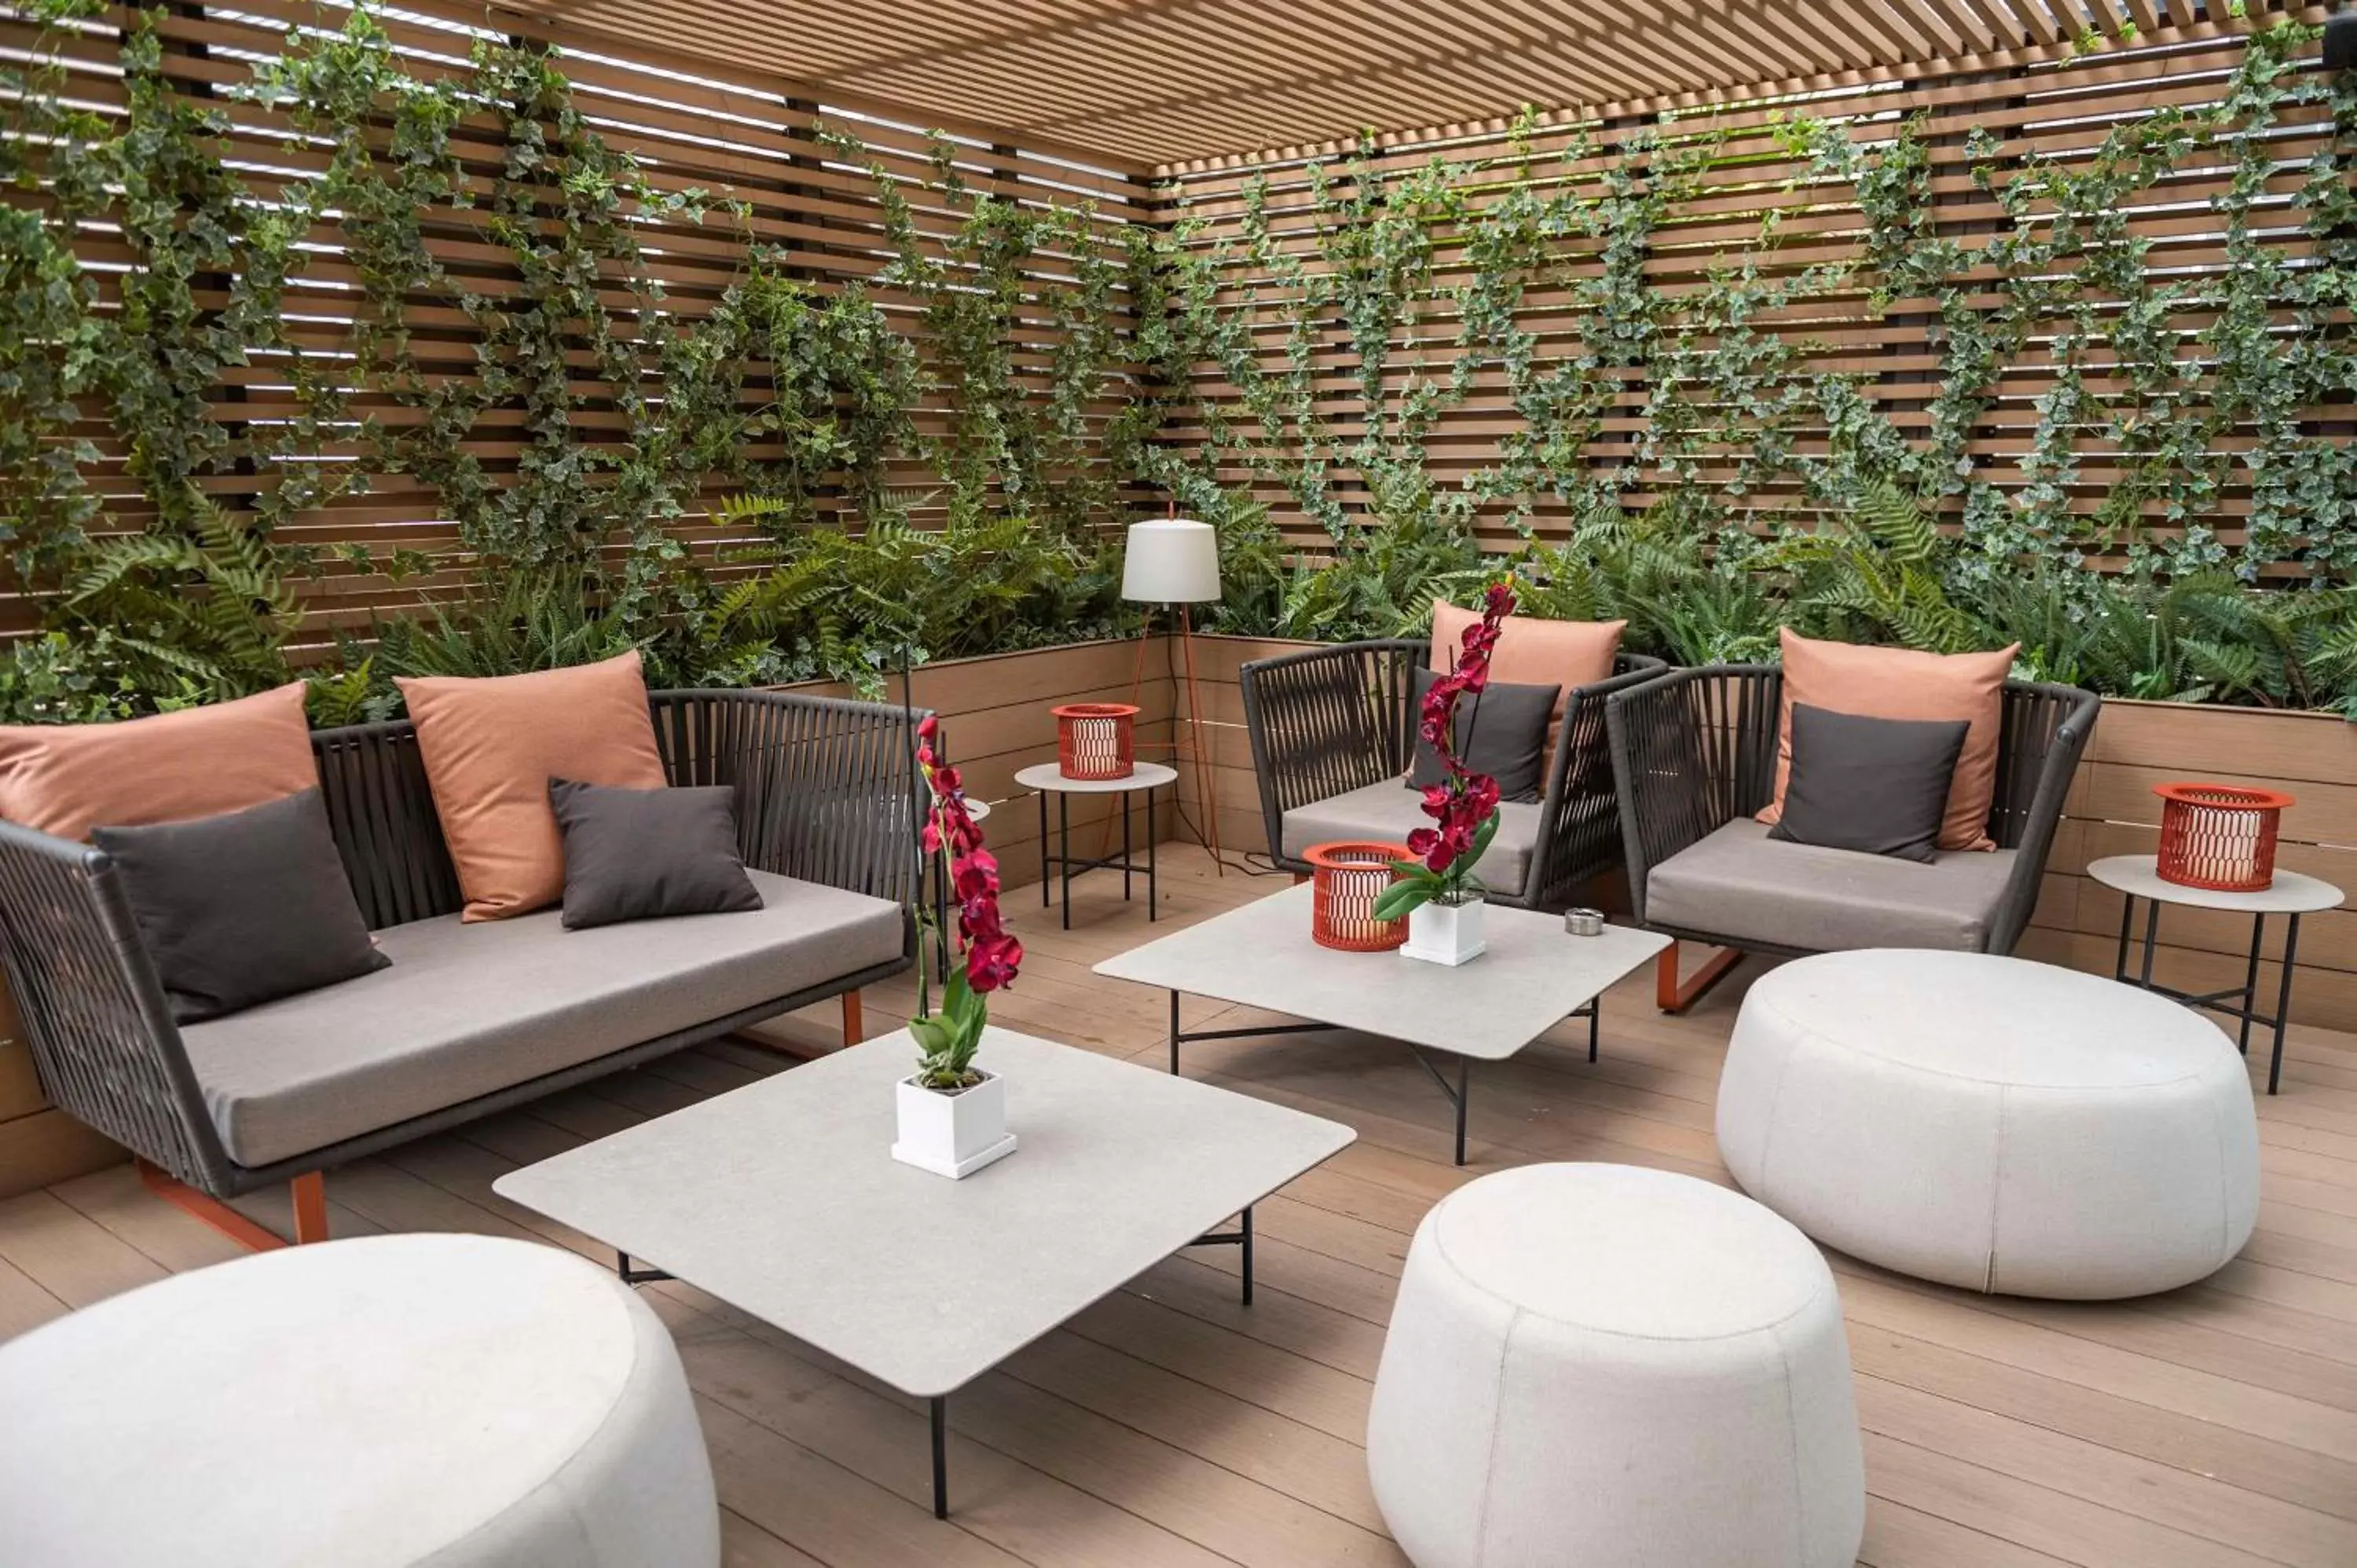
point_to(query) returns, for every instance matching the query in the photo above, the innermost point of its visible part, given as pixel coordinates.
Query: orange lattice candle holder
(2219, 836)
(1346, 879)
(1096, 740)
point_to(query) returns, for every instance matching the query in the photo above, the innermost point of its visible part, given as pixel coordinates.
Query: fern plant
(530, 620)
(1876, 576)
(203, 616)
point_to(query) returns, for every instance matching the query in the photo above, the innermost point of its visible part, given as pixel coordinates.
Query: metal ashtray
(1584, 922)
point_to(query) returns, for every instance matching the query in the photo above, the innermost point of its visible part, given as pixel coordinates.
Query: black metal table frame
(2244, 997)
(1592, 1010)
(937, 1407)
(1067, 865)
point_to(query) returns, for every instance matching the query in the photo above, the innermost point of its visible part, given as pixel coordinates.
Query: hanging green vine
(1337, 340)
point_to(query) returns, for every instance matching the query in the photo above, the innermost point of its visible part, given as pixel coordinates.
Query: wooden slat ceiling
(1171, 84)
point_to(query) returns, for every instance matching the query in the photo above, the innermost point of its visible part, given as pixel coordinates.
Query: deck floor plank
(1169, 1424)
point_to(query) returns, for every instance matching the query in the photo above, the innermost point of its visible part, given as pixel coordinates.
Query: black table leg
(630, 1276)
(1595, 1018)
(1464, 1092)
(1064, 852)
(1456, 1096)
(940, 1455)
(1174, 1028)
(2244, 1007)
(1046, 864)
(1150, 886)
(1241, 1238)
(1127, 856)
(2282, 1003)
(2251, 982)
(1247, 1253)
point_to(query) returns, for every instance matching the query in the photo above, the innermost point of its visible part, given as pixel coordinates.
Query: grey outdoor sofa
(1333, 731)
(468, 1019)
(1695, 754)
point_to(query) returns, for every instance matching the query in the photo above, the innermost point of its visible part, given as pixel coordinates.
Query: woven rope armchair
(825, 793)
(1695, 756)
(1332, 733)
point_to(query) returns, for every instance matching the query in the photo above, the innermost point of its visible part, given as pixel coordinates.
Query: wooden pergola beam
(1144, 85)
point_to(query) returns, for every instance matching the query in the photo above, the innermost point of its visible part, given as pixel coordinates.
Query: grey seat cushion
(1390, 811)
(467, 1010)
(1742, 885)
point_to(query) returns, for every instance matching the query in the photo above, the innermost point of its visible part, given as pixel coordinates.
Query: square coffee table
(1534, 976)
(782, 1199)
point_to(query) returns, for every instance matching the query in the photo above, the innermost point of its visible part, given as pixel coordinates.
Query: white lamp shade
(1171, 561)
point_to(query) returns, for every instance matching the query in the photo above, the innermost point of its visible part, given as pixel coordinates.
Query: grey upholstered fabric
(644, 854)
(1505, 731)
(1876, 786)
(1390, 813)
(1740, 884)
(239, 909)
(467, 1010)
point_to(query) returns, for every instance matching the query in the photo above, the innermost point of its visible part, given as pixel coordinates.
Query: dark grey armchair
(1695, 756)
(1332, 733)
(468, 1020)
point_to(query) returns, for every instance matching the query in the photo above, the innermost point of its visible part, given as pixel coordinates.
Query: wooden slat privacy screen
(692, 124)
(1764, 290)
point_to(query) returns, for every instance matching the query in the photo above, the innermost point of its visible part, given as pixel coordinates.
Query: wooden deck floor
(1168, 1425)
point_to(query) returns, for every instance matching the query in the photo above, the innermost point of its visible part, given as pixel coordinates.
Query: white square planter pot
(1445, 933)
(953, 1134)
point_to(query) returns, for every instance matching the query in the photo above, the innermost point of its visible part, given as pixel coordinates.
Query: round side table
(1046, 779)
(2292, 896)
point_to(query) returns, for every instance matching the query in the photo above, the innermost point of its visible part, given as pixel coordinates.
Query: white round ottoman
(457, 1400)
(1615, 1367)
(1991, 1122)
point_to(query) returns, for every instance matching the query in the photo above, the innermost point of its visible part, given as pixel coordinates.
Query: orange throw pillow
(491, 744)
(1534, 652)
(172, 768)
(1900, 683)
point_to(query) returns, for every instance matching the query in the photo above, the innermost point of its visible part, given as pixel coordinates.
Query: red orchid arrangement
(948, 1040)
(1464, 803)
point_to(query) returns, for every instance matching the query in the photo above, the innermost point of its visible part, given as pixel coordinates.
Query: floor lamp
(1175, 561)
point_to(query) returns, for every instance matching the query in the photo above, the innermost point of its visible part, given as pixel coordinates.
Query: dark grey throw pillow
(639, 854)
(1502, 732)
(238, 909)
(1879, 786)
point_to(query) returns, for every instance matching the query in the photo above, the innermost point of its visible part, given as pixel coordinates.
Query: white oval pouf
(1615, 1367)
(458, 1401)
(1991, 1122)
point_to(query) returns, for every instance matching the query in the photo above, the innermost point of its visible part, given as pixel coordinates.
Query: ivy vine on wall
(619, 408)
(1034, 366)
(2213, 378)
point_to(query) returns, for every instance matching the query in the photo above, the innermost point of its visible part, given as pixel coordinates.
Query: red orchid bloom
(993, 957)
(1465, 799)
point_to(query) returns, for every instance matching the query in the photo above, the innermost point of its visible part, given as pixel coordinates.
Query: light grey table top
(1533, 976)
(782, 1198)
(1048, 777)
(2291, 895)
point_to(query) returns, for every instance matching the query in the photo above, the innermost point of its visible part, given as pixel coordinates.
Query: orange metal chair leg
(309, 1192)
(854, 1028)
(1671, 996)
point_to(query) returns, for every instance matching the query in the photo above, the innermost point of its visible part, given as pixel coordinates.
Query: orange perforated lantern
(1346, 879)
(2219, 836)
(1096, 740)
